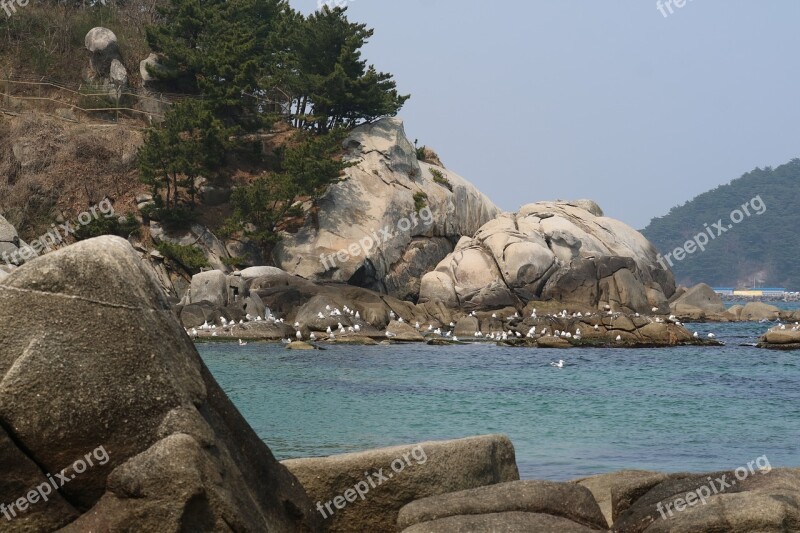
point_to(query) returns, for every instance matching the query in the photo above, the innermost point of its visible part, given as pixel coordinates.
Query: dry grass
(51, 169)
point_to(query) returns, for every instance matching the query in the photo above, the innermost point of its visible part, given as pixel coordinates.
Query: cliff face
(561, 251)
(390, 222)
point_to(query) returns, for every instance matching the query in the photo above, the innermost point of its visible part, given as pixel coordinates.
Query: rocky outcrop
(365, 491)
(755, 311)
(389, 222)
(112, 394)
(781, 337)
(699, 303)
(563, 251)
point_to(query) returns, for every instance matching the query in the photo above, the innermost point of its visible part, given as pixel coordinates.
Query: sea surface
(667, 409)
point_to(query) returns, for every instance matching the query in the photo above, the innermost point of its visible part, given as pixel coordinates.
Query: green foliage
(305, 170)
(420, 201)
(420, 150)
(189, 257)
(761, 246)
(108, 226)
(440, 178)
(189, 143)
(334, 87)
(219, 49)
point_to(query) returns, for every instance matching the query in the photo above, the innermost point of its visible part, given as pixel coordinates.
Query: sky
(611, 100)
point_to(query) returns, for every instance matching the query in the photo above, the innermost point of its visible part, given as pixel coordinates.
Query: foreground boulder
(562, 251)
(615, 492)
(112, 380)
(738, 501)
(365, 491)
(568, 501)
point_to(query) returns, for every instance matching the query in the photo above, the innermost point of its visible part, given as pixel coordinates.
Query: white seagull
(560, 363)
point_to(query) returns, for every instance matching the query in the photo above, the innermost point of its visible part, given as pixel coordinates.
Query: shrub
(189, 257)
(108, 226)
(420, 201)
(440, 178)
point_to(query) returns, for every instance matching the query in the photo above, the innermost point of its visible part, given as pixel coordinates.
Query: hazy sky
(609, 100)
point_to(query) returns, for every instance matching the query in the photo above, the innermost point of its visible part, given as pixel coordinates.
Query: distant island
(758, 249)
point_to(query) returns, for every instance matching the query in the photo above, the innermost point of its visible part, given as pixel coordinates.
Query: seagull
(455, 339)
(696, 335)
(711, 336)
(494, 315)
(297, 324)
(313, 336)
(560, 363)
(357, 328)
(242, 343)
(619, 338)
(416, 325)
(400, 320)
(299, 335)
(596, 327)
(328, 331)
(391, 314)
(214, 334)
(654, 310)
(578, 331)
(248, 317)
(389, 334)
(358, 315)
(327, 307)
(320, 315)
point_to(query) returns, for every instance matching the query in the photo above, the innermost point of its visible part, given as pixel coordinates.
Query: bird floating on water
(559, 364)
(242, 343)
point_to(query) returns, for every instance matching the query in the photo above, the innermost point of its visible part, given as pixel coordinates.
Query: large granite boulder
(111, 393)
(563, 251)
(755, 311)
(365, 491)
(389, 222)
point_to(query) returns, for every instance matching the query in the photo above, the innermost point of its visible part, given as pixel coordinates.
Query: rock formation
(407, 473)
(373, 217)
(113, 370)
(105, 63)
(10, 246)
(563, 251)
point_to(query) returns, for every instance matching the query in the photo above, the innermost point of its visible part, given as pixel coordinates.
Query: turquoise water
(672, 409)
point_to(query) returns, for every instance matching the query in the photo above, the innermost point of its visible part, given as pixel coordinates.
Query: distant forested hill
(763, 247)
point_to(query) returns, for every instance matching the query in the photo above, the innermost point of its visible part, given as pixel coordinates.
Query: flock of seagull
(228, 326)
